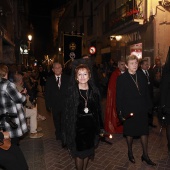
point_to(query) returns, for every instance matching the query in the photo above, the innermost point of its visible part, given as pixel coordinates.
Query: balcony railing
(131, 11)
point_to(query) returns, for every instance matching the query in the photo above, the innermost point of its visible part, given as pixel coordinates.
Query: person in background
(30, 85)
(42, 78)
(132, 96)
(30, 109)
(144, 68)
(55, 95)
(157, 73)
(112, 123)
(111, 67)
(82, 117)
(10, 102)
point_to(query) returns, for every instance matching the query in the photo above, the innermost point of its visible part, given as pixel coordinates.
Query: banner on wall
(72, 47)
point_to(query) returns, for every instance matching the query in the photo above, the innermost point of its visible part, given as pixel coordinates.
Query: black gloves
(120, 116)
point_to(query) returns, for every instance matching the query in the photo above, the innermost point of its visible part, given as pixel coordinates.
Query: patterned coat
(11, 101)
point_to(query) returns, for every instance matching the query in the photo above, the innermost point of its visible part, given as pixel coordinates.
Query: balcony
(130, 14)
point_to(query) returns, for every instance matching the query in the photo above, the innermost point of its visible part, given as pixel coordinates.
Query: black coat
(165, 96)
(55, 97)
(71, 113)
(130, 100)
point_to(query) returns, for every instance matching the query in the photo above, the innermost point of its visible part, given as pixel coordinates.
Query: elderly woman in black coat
(82, 117)
(132, 96)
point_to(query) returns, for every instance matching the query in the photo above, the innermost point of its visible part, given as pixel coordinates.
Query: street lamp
(29, 41)
(117, 37)
(29, 47)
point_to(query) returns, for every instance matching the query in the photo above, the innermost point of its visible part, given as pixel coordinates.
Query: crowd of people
(73, 95)
(18, 114)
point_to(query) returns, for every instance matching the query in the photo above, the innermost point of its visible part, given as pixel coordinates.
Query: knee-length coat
(130, 99)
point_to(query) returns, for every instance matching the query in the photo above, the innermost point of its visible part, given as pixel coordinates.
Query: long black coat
(70, 114)
(55, 97)
(165, 95)
(129, 100)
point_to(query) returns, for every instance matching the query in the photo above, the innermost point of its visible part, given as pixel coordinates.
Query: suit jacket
(54, 96)
(150, 81)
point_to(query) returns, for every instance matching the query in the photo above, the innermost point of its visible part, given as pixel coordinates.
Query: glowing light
(110, 136)
(29, 37)
(118, 37)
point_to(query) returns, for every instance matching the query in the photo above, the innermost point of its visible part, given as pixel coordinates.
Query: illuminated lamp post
(29, 46)
(29, 41)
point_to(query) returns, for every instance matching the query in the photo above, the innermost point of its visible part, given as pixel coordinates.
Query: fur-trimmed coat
(70, 113)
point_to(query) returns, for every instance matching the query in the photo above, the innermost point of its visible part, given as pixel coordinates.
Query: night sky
(40, 18)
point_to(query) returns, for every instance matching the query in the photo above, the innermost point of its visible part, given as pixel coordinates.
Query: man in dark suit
(144, 68)
(55, 92)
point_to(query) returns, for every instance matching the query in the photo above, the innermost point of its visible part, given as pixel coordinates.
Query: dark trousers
(13, 159)
(57, 123)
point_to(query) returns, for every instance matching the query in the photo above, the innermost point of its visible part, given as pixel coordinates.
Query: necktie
(146, 72)
(147, 75)
(58, 82)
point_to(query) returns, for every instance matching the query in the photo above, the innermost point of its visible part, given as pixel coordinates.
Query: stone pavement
(47, 154)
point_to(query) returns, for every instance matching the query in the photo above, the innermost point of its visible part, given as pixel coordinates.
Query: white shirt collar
(144, 71)
(58, 76)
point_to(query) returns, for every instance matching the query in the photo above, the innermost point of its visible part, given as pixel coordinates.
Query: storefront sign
(132, 37)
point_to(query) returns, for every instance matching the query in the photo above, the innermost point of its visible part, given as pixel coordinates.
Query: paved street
(47, 154)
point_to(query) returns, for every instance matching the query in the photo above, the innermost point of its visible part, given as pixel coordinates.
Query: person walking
(132, 96)
(144, 68)
(55, 95)
(82, 117)
(112, 123)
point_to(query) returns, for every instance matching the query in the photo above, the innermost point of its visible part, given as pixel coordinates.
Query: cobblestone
(47, 154)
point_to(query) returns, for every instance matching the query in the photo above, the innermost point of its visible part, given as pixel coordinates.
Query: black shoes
(147, 160)
(143, 158)
(131, 157)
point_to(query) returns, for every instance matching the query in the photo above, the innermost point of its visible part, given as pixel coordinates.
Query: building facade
(13, 24)
(119, 28)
